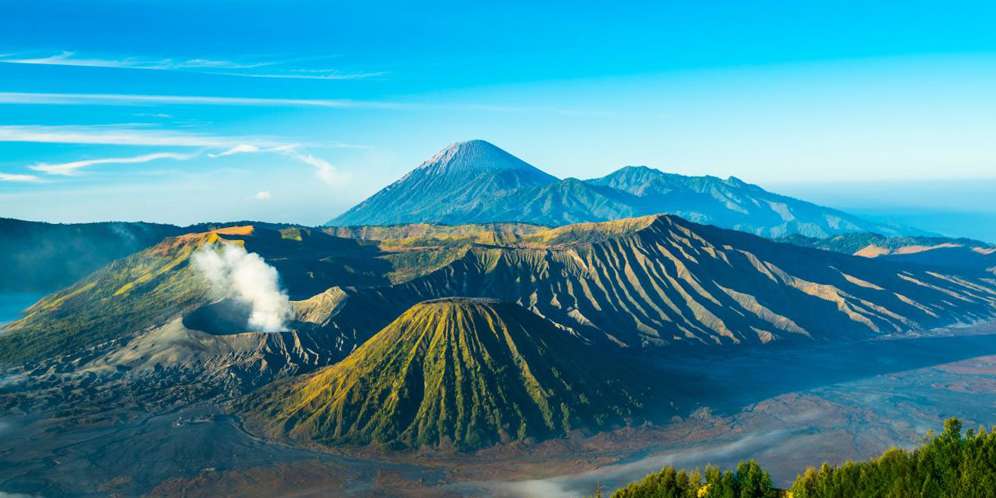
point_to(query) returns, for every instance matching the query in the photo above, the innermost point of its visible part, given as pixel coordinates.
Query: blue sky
(183, 112)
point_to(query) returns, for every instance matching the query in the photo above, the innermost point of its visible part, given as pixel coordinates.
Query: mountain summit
(463, 181)
(478, 155)
(477, 182)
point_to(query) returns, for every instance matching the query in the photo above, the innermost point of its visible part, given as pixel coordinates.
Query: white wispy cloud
(324, 170)
(19, 178)
(148, 100)
(209, 146)
(124, 99)
(263, 196)
(120, 135)
(276, 69)
(157, 115)
(322, 75)
(67, 58)
(73, 167)
(139, 135)
(237, 149)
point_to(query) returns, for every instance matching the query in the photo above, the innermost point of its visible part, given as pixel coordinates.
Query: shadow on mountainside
(308, 260)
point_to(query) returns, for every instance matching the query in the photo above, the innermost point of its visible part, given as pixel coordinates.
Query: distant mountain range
(477, 182)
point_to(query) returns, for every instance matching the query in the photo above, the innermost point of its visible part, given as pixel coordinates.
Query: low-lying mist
(237, 274)
(566, 486)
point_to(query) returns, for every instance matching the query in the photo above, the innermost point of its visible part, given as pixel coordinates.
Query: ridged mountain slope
(458, 373)
(662, 280)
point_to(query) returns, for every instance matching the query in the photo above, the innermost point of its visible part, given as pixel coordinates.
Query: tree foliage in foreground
(748, 481)
(949, 465)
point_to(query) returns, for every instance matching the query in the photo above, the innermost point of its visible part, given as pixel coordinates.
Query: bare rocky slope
(660, 280)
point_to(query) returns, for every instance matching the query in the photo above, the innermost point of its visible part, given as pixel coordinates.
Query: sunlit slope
(45, 257)
(663, 280)
(150, 288)
(457, 373)
(414, 250)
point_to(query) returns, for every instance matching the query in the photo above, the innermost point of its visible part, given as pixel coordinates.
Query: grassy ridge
(853, 243)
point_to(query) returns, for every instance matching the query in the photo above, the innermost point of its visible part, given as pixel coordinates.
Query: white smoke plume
(244, 276)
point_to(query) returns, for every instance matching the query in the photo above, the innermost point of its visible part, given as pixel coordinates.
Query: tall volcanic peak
(468, 180)
(477, 155)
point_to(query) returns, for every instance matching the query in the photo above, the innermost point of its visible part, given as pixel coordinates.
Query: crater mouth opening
(225, 317)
